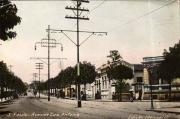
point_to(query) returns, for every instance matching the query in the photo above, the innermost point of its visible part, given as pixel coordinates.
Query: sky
(137, 29)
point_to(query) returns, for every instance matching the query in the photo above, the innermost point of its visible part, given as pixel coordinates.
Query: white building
(105, 86)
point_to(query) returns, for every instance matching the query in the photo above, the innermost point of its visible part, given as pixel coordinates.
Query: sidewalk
(136, 106)
(174, 110)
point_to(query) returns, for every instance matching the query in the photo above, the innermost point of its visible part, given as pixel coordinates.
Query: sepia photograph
(89, 59)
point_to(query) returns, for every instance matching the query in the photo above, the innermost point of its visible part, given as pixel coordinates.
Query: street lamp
(49, 43)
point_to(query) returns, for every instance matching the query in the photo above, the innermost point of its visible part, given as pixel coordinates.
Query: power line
(97, 6)
(144, 15)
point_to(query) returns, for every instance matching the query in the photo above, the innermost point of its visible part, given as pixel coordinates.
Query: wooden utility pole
(77, 16)
(77, 10)
(39, 66)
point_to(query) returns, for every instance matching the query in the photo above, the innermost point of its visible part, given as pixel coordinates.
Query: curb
(163, 111)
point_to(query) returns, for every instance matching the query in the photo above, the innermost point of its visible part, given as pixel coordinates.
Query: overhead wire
(144, 15)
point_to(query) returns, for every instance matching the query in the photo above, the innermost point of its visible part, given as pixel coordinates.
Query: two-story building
(106, 87)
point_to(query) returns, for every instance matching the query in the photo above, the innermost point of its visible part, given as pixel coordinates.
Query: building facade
(106, 87)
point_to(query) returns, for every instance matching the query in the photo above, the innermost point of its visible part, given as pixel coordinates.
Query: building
(106, 87)
(138, 81)
(159, 87)
(102, 84)
(148, 63)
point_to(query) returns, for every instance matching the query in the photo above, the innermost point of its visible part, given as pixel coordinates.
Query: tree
(88, 74)
(11, 81)
(114, 56)
(8, 19)
(119, 72)
(169, 68)
(69, 77)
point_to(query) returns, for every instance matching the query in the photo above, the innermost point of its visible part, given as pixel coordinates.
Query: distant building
(106, 87)
(138, 81)
(151, 62)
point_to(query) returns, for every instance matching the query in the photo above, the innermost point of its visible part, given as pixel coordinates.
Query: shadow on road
(5, 112)
(3, 107)
(32, 97)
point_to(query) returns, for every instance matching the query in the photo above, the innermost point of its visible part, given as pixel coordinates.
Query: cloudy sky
(136, 28)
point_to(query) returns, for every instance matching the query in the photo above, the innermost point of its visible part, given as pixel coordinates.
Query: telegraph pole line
(39, 66)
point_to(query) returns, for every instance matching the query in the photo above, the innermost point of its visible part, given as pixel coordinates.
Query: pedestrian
(131, 96)
(140, 94)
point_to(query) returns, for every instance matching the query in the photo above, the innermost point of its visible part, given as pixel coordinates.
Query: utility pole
(77, 10)
(77, 17)
(35, 76)
(39, 66)
(48, 63)
(49, 43)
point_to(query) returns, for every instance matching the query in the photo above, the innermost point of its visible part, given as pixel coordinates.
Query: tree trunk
(1, 93)
(70, 91)
(120, 90)
(120, 96)
(84, 92)
(170, 90)
(76, 91)
(6, 93)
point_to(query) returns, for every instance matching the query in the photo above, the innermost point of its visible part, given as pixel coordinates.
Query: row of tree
(68, 77)
(9, 82)
(116, 70)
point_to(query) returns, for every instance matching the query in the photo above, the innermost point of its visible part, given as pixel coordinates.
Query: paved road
(33, 108)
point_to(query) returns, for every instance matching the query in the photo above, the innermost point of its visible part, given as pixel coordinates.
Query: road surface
(34, 108)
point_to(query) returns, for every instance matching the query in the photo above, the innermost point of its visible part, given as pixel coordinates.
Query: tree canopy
(114, 56)
(8, 19)
(169, 69)
(68, 76)
(120, 72)
(9, 80)
(87, 73)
